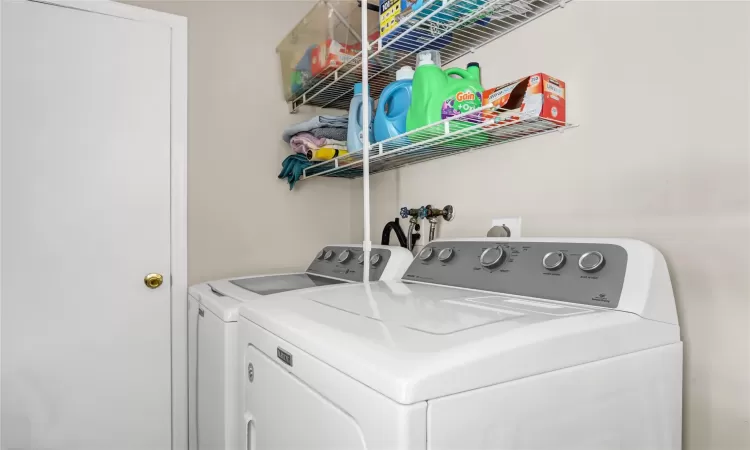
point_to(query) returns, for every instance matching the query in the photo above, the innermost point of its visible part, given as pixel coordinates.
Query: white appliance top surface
(223, 297)
(274, 284)
(332, 265)
(414, 341)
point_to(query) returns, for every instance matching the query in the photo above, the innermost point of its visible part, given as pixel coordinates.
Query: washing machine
(484, 344)
(212, 335)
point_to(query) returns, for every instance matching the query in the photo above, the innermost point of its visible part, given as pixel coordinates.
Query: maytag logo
(284, 356)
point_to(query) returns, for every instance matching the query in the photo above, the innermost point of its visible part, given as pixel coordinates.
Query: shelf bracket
(380, 148)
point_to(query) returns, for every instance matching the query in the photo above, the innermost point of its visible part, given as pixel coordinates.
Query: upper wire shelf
(469, 131)
(478, 22)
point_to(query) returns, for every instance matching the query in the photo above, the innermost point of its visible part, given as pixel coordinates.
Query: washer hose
(395, 227)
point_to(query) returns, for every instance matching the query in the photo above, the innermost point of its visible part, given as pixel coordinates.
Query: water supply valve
(428, 212)
(406, 212)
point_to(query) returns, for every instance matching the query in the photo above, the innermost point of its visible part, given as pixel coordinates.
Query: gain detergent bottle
(437, 95)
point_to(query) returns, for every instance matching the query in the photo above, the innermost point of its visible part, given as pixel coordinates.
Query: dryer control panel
(348, 263)
(589, 274)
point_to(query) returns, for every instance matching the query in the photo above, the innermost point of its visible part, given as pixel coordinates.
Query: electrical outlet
(511, 223)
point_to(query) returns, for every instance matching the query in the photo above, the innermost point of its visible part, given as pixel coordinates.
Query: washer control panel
(589, 274)
(348, 263)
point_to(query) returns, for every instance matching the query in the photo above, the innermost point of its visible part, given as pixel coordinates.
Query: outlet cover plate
(512, 223)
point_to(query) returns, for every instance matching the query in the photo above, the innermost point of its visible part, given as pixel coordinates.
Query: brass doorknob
(153, 280)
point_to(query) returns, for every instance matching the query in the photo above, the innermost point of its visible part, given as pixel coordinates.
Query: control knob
(329, 255)
(375, 259)
(361, 259)
(492, 257)
(344, 256)
(426, 254)
(591, 262)
(445, 254)
(553, 260)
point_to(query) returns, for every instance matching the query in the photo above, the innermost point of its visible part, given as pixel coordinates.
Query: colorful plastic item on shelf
(354, 134)
(390, 116)
(430, 34)
(437, 95)
(330, 55)
(302, 73)
(325, 153)
(393, 12)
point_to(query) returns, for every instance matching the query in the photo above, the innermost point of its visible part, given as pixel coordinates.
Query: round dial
(445, 254)
(591, 261)
(361, 258)
(553, 260)
(329, 254)
(321, 254)
(492, 257)
(375, 259)
(344, 256)
(426, 254)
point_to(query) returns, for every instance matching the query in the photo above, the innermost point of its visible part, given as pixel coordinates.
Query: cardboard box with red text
(536, 96)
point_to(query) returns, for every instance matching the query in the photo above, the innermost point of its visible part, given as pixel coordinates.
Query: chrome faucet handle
(428, 212)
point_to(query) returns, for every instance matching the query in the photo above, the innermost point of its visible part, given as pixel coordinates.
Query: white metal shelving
(467, 132)
(474, 23)
(455, 28)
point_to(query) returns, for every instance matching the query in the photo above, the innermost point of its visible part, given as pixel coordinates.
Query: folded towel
(316, 122)
(338, 134)
(302, 142)
(305, 142)
(293, 167)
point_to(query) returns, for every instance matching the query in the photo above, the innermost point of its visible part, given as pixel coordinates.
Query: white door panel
(282, 413)
(192, 344)
(86, 214)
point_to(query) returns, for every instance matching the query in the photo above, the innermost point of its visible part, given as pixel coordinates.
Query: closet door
(85, 217)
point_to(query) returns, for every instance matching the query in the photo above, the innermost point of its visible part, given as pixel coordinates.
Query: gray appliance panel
(522, 273)
(350, 270)
(274, 284)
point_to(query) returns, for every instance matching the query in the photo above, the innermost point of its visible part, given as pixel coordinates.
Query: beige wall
(241, 218)
(660, 91)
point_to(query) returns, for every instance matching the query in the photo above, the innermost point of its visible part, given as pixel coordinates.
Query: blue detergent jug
(354, 131)
(390, 117)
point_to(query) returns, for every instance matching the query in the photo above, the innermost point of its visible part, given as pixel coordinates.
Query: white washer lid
(223, 297)
(413, 342)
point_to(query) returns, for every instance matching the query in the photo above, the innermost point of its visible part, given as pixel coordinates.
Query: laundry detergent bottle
(390, 116)
(354, 135)
(441, 94)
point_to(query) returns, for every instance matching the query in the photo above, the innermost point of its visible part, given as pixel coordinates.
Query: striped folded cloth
(304, 142)
(341, 122)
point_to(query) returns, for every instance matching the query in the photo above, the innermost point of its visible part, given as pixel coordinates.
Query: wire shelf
(453, 27)
(484, 127)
